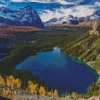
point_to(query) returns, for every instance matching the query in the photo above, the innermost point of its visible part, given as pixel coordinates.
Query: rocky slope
(95, 28)
(34, 97)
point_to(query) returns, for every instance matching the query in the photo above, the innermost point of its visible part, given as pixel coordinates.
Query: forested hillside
(87, 47)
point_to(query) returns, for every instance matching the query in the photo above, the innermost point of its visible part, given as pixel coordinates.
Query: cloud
(78, 11)
(75, 10)
(97, 3)
(19, 0)
(1, 5)
(64, 2)
(46, 1)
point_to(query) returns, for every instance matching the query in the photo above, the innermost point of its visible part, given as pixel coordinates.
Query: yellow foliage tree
(4, 92)
(7, 93)
(10, 81)
(10, 77)
(2, 82)
(33, 88)
(74, 95)
(42, 91)
(30, 82)
(17, 83)
(55, 94)
(50, 93)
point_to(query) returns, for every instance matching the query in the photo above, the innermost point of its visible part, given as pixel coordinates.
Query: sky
(47, 1)
(54, 1)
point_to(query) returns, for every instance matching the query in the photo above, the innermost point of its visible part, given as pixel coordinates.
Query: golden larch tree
(42, 91)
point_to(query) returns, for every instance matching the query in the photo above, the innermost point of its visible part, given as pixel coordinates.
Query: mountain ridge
(24, 16)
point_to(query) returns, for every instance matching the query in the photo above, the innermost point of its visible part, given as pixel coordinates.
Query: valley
(50, 49)
(25, 44)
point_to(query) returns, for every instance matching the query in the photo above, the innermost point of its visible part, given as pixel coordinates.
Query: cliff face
(95, 28)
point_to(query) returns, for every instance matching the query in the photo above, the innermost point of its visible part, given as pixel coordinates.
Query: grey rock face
(95, 28)
(96, 25)
(34, 97)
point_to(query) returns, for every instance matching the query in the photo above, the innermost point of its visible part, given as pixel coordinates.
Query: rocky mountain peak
(24, 16)
(27, 10)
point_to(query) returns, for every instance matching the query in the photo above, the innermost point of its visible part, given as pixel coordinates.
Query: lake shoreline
(55, 49)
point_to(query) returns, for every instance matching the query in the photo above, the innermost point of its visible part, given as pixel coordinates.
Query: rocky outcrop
(94, 98)
(95, 28)
(31, 97)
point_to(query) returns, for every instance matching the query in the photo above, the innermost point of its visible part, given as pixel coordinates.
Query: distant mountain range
(75, 15)
(54, 11)
(24, 16)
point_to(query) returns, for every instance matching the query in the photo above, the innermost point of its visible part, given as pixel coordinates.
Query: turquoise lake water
(59, 71)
